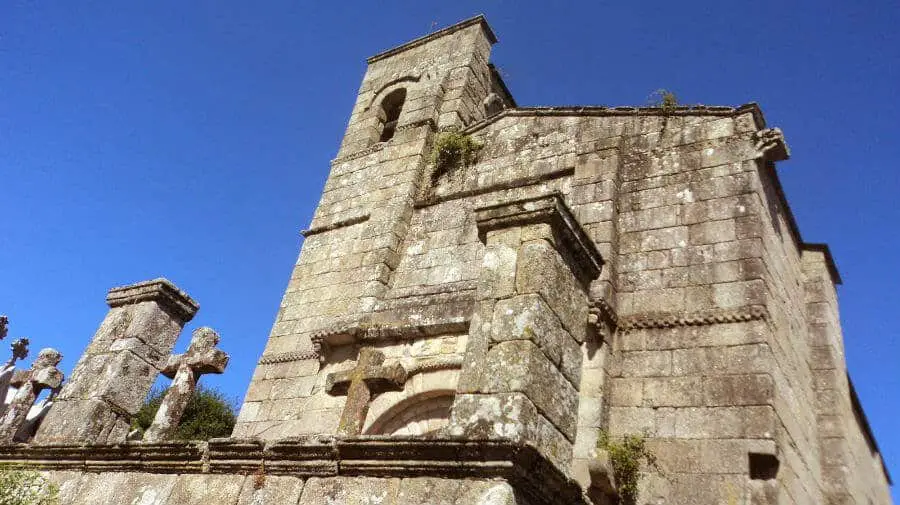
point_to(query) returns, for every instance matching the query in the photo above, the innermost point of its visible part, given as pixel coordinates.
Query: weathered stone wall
(851, 466)
(311, 471)
(354, 244)
(695, 333)
(117, 488)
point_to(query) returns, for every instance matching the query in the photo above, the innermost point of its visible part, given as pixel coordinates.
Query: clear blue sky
(191, 140)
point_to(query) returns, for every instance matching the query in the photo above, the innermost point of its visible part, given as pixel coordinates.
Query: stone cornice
(158, 290)
(371, 456)
(550, 209)
(285, 357)
(378, 146)
(703, 318)
(588, 110)
(341, 223)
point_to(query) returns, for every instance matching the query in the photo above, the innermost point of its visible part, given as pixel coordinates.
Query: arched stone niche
(421, 408)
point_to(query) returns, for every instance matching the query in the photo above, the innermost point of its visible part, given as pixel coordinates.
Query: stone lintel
(552, 210)
(319, 456)
(158, 290)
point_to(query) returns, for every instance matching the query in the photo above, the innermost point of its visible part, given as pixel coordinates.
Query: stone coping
(160, 290)
(476, 20)
(323, 456)
(829, 259)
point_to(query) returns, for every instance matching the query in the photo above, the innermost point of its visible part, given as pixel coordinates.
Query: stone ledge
(334, 225)
(159, 290)
(550, 209)
(324, 456)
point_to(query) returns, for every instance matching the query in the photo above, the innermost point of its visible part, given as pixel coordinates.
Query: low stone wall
(362, 470)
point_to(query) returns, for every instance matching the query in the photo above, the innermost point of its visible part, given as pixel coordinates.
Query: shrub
(210, 414)
(26, 487)
(452, 149)
(626, 456)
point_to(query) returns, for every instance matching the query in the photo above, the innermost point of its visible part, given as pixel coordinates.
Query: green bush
(25, 487)
(626, 456)
(210, 414)
(452, 149)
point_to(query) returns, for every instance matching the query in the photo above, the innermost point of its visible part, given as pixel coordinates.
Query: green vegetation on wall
(626, 456)
(452, 150)
(210, 414)
(26, 487)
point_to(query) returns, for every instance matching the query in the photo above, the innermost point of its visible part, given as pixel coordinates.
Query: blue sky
(191, 140)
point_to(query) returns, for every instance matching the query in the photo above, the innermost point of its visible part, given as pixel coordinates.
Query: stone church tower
(461, 327)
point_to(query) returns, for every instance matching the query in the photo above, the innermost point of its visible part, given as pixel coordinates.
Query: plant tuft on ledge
(664, 99)
(452, 150)
(627, 455)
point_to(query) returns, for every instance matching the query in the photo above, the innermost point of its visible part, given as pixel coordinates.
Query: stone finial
(4, 327)
(771, 145)
(44, 374)
(19, 350)
(201, 358)
(368, 378)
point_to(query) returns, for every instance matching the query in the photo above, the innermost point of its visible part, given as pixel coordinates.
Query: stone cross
(367, 379)
(185, 370)
(19, 351)
(43, 375)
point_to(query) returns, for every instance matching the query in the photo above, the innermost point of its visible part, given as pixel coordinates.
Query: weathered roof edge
(600, 110)
(867, 429)
(479, 19)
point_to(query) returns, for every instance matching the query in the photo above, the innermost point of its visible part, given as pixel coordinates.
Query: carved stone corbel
(771, 145)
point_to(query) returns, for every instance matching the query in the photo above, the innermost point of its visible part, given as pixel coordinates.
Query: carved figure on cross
(185, 370)
(44, 374)
(361, 384)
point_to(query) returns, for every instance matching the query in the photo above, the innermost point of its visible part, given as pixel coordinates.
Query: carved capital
(549, 209)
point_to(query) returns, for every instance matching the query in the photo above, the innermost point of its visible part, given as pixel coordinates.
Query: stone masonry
(462, 334)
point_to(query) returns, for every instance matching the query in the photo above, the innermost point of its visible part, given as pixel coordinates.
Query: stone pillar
(522, 368)
(114, 375)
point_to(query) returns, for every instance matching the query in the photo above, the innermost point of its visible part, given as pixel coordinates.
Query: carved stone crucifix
(202, 357)
(43, 375)
(367, 379)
